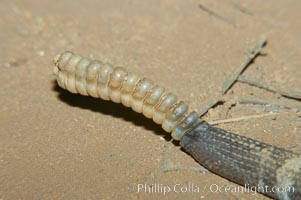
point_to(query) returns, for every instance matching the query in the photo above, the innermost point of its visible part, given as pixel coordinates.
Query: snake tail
(273, 171)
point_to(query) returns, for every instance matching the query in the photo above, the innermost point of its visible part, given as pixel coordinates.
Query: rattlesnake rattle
(274, 171)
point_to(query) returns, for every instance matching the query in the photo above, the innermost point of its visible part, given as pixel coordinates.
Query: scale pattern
(237, 158)
(273, 171)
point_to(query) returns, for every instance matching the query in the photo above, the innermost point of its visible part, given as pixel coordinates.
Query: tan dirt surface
(58, 145)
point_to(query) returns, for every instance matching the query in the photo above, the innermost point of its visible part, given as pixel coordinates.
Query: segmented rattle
(237, 158)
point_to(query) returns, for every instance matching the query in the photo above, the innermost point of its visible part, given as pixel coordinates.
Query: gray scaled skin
(273, 171)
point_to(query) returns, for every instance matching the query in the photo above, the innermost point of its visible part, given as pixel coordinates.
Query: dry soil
(58, 145)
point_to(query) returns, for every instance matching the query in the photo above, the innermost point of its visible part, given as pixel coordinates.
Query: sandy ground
(57, 145)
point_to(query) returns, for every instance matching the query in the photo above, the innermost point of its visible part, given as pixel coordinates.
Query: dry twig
(260, 84)
(267, 102)
(234, 76)
(241, 118)
(211, 103)
(210, 12)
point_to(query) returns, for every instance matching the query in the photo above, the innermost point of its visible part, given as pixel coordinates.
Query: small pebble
(7, 65)
(41, 53)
